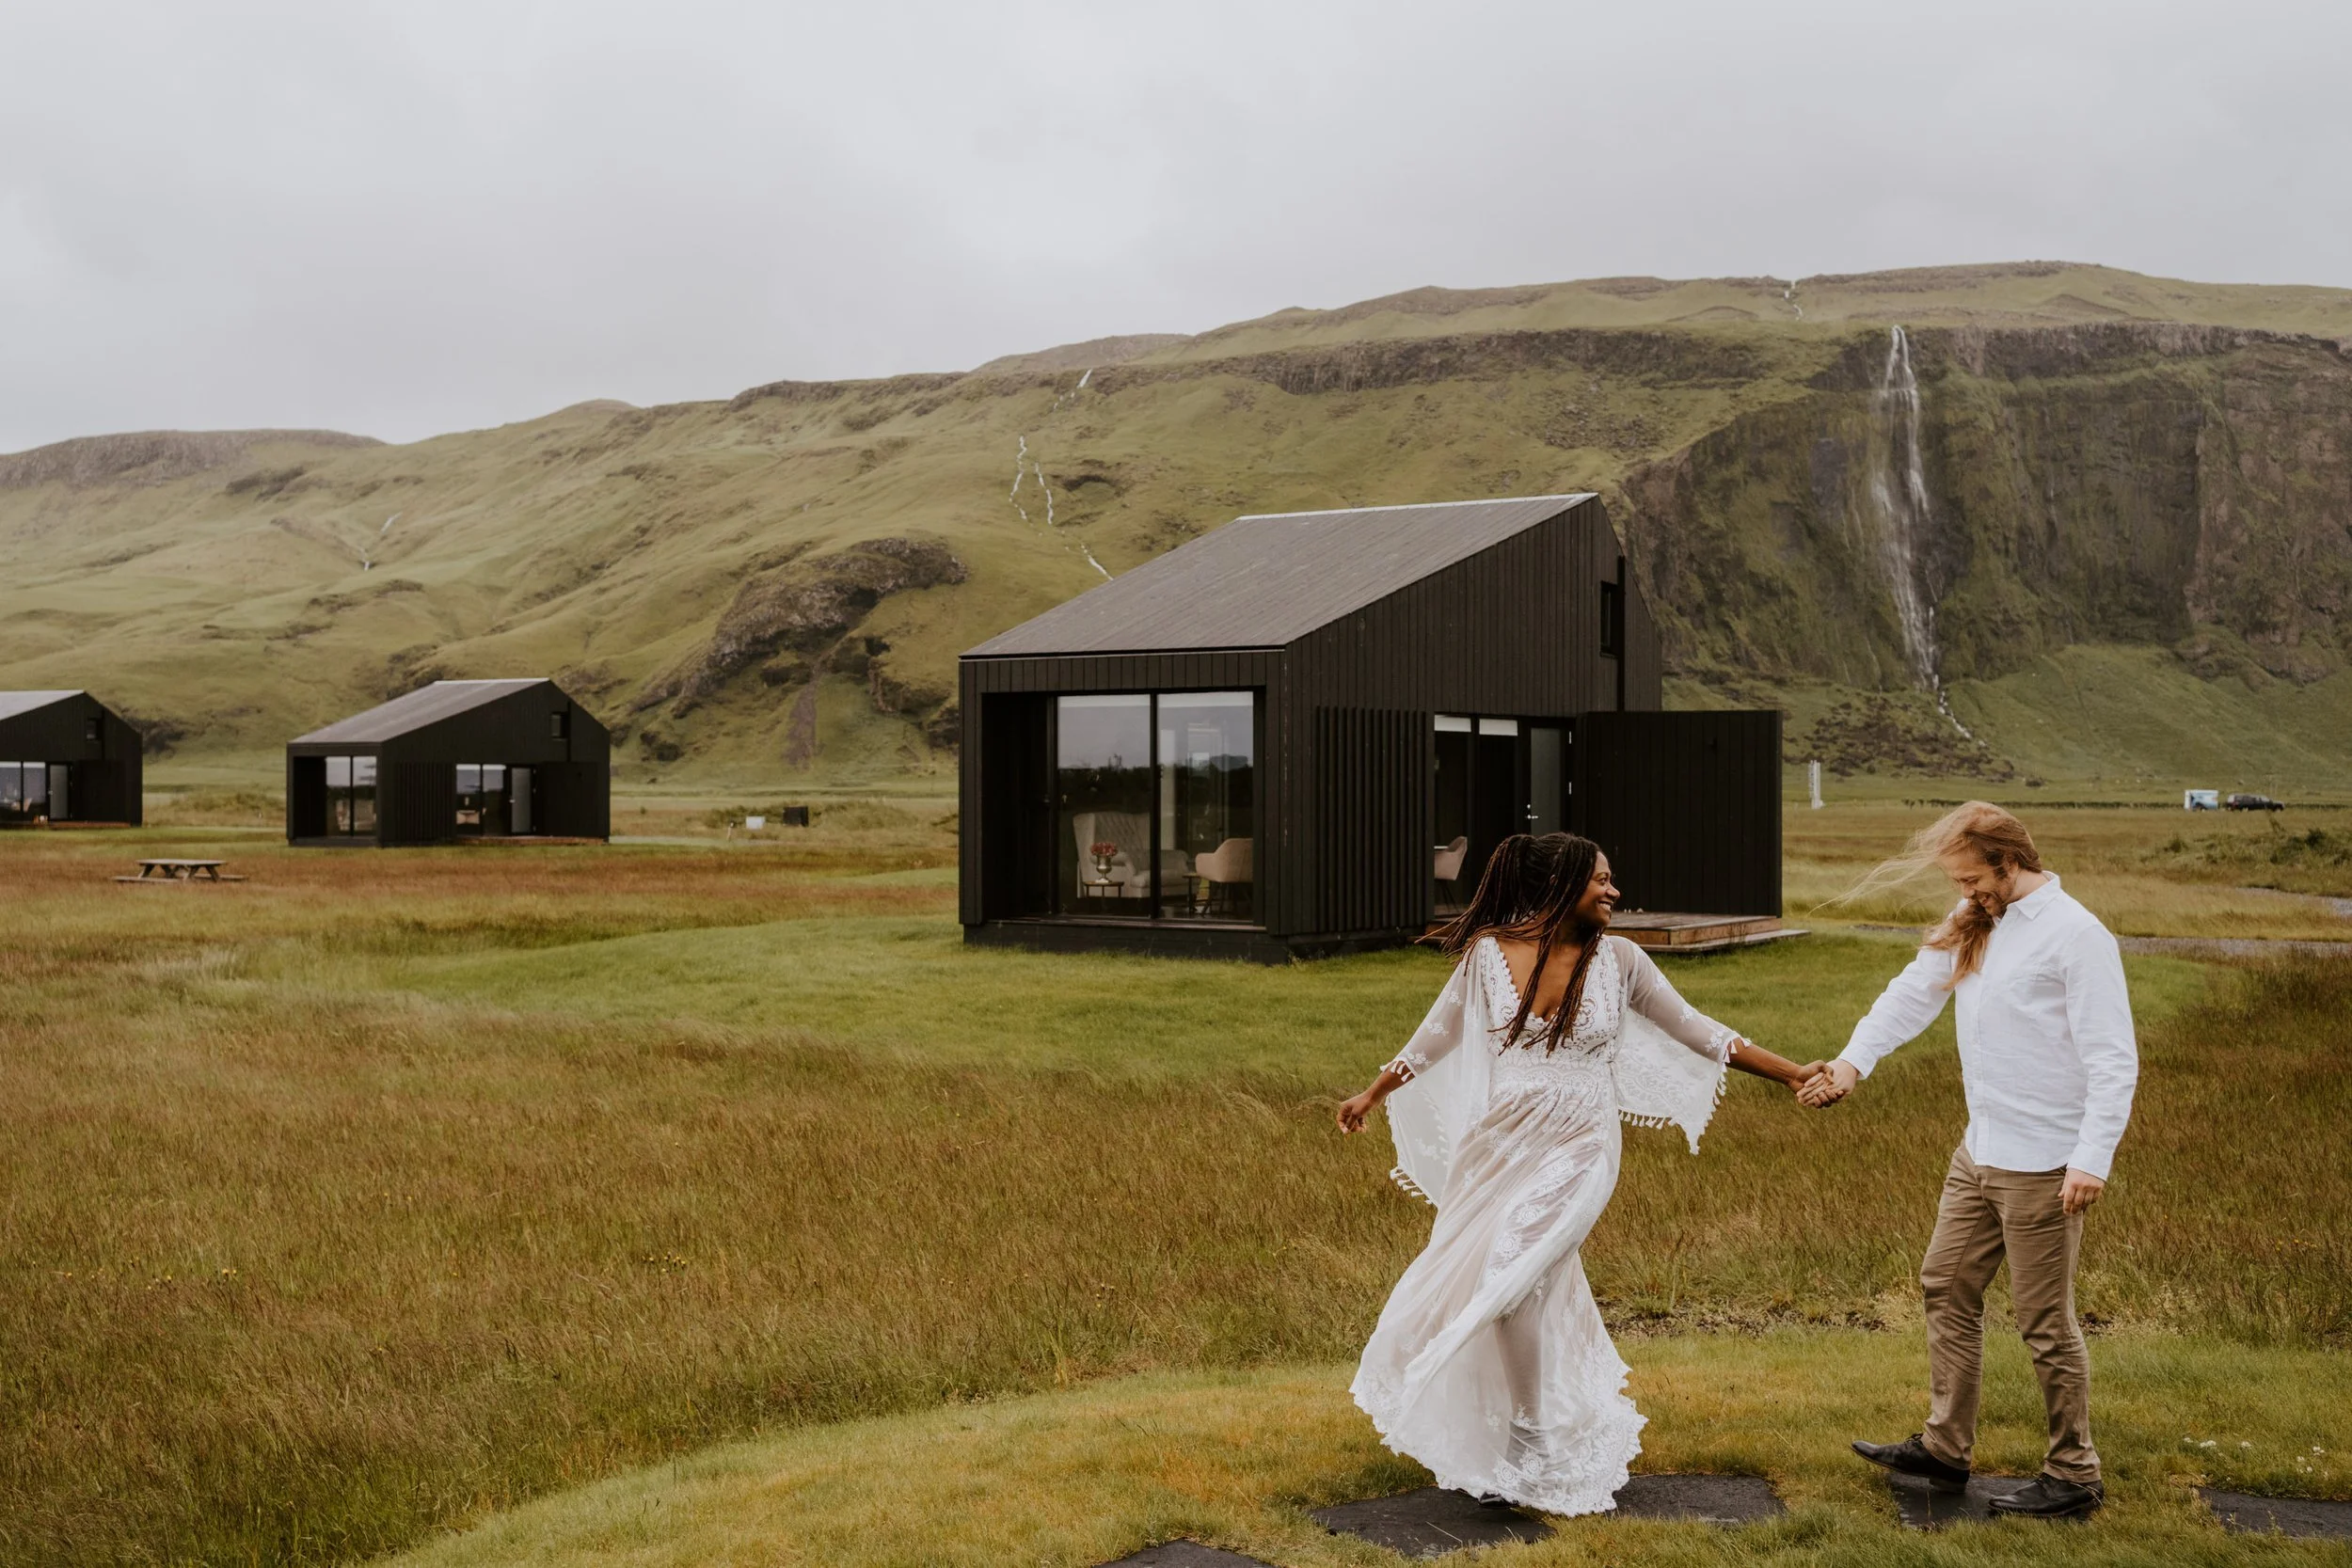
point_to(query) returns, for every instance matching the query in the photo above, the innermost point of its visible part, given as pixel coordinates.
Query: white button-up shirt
(2048, 1055)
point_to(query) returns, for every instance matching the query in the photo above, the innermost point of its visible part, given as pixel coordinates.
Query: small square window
(560, 724)
(91, 728)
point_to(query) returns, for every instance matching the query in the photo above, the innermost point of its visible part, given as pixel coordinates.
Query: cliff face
(2188, 487)
(1831, 516)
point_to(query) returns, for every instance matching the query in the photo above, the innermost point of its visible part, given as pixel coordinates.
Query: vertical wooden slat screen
(1371, 811)
(415, 803)
(1686, 806)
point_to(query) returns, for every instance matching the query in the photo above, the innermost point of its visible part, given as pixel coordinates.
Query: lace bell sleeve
(1648, 993)
(1439, 1032)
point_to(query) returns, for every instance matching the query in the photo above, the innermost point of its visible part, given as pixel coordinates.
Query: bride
(1490, 1364)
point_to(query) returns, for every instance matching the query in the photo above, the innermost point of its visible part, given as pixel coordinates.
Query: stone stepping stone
(1921, 1506)
(1186, 1554)
(2306, 1516)
(1430, 1522)
(1708, 1500)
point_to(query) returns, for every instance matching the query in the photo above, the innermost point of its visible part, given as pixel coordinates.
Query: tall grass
(334, 1213)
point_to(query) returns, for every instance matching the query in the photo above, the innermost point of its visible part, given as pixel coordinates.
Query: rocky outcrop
(796, 617)
(2179, 486)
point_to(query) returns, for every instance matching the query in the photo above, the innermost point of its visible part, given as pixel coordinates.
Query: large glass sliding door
(1103, 799)
(25, 792)
(351, 797)
(1155, 805)
(1208, 805)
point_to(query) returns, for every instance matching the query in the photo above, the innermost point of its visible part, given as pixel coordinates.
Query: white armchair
(1448, 859)
(1229, 862)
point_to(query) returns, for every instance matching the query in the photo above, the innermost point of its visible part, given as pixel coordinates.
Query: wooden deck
(1668, 932)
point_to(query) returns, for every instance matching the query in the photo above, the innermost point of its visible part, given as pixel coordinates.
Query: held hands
(1827, 1082)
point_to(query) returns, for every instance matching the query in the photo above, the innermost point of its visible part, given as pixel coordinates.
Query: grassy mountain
(2137, 537)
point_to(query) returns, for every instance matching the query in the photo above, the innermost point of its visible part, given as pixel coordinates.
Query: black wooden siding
(1347, 750)
(416, 788)
(1513, 631)
(415, 803)
(1687, 805)
(305, 798)
(105, 772)
(575, 799)
(1373, 811)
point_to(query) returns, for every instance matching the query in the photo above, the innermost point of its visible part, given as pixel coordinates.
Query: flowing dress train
(1490, 1364)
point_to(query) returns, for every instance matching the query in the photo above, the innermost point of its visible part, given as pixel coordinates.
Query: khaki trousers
(1987, 1215)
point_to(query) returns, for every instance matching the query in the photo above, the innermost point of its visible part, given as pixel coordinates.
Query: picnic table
(166, 870)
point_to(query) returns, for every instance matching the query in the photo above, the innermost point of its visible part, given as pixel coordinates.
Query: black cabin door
(1686, 806)
(1016, 825)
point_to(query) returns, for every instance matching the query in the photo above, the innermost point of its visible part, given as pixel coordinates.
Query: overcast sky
(407, 218)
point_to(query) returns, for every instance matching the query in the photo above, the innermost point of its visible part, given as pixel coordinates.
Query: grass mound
(1237, 1459)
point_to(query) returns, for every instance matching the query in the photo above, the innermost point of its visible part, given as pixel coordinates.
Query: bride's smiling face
(1600, 896)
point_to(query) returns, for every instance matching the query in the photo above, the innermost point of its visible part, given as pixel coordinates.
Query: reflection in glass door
(1103, 805)
(351, 797)
(1547, 778)
(1450, 855)
(482, 799)
(1208, 805)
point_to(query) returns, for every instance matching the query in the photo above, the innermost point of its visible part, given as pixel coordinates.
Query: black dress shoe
(1909, 1457)
(2048, 1497)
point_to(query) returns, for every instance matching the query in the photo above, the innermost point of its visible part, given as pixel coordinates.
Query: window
(560, 724)
(24, 789)
(482, 798)
(90, 729)
(1208, 805)
(1155, 805)
(1612, 620)
(351, 797)
(1103, 790)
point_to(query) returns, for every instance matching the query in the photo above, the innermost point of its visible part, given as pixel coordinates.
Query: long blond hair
(1978, 828)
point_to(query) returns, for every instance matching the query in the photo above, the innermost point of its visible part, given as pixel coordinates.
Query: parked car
(2253, 802)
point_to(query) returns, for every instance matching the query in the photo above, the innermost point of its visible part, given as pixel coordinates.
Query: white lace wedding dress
(1490, 1364)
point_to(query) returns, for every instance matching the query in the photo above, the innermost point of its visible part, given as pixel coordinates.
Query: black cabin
(65, 757)
(454, 760)
(1304, 732)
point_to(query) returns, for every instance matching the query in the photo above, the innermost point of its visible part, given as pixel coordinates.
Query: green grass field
(390, 1194)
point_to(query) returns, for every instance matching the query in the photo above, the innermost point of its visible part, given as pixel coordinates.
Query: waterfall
(1899, 496)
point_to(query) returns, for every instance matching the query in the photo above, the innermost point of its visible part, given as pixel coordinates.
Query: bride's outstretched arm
(1747, 1056)
(1352, 1112)
(1432, 1042)
(1648, 992)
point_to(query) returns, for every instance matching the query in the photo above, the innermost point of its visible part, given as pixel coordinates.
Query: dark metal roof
(1266, 581)
(427, 704)
(14, 702)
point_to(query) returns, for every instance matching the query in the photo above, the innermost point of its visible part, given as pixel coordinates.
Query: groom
(2048, 1063)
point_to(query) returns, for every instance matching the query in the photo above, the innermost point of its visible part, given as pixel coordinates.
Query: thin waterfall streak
(1027, 466)
(1904, 513)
